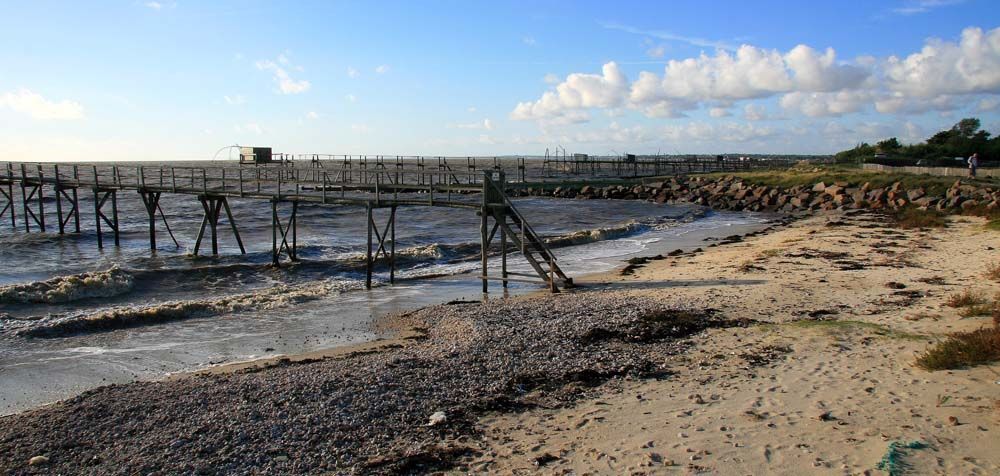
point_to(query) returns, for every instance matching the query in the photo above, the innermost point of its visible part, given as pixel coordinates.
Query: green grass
(993, 224)
(910, 217)
(809, 175)
(963, 349)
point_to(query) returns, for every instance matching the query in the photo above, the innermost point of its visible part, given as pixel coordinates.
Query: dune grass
(911, 218)
(993, 271)
(966, 298)
(963, 349)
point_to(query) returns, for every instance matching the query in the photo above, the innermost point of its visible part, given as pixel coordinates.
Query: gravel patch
(410, 409)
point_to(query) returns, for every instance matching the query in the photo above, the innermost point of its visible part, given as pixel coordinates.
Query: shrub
(916, 218)
(963, 349)
(993, 271)
(966, 298)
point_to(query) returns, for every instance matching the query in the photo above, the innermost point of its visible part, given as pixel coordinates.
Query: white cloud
(755, 112)
(970, 66)
(665, 35)
(528, 40)
(551, 79)
(578, 91)
(35, 105)
(313, 115)
(726, 132)
(235, 100)
(485, 124)
(154, 5)
(943, 76)
(818, 104)
(286, 84)
(657, 51)
(471, 109)
(352, 73)
(913, 7)
(382, 69)
(351, 98)
(719, 112)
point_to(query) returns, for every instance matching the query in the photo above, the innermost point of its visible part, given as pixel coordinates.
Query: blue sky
(157, 80)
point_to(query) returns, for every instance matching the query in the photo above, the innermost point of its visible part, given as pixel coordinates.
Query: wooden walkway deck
(372, 188)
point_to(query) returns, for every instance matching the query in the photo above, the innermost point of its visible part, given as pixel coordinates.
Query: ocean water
(62, 300)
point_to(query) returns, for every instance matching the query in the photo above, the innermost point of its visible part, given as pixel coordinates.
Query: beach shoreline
(756, 299)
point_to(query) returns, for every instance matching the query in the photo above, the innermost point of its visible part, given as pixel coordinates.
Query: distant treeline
(941, 149)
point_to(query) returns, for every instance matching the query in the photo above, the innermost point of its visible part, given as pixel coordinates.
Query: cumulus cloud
(578, 91)
(313, 115)
(942, 76)
(235, 100)
(818, 104)
(286, 84)
(941, 67)
(382, 69)
(352, 73)
(35, 105)
(748, 73)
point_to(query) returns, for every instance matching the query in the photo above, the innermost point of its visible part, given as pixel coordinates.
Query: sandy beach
(823, 387)
(790, 351)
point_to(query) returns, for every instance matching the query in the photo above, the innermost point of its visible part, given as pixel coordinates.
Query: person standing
(973, 165)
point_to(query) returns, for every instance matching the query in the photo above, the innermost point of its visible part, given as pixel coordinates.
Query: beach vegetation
(993, 271)
(915, 218)
(963, 349)
(966, 298)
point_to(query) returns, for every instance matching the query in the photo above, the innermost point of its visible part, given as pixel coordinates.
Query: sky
(179, 80)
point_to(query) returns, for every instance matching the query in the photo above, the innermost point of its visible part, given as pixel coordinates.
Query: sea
(68, 310)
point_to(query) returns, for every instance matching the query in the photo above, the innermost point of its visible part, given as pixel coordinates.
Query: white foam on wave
(112, 282)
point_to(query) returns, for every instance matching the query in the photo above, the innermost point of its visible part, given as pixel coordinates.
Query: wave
(134, 316)
(108, 283)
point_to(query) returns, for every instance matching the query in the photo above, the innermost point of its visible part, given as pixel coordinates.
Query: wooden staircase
(512, 226)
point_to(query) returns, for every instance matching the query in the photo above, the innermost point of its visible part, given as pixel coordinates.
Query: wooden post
(97, 218)
(293, 253)
(368, 250)
(232, 224)
(484, 245)
(274, 232)
(114, 212)
(392, 246)
(58, 190)
(503, 248)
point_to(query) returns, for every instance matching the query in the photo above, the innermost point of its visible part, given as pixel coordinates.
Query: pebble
(38, 460)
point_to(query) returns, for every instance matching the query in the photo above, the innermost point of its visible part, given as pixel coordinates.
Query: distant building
(255, 155)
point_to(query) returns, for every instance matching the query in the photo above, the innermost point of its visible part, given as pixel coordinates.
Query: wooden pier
(382, 185)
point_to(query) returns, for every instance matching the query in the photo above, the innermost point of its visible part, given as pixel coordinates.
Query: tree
(889, 145)
(967, 127)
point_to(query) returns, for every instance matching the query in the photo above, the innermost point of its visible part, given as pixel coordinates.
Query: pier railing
(285, 188)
